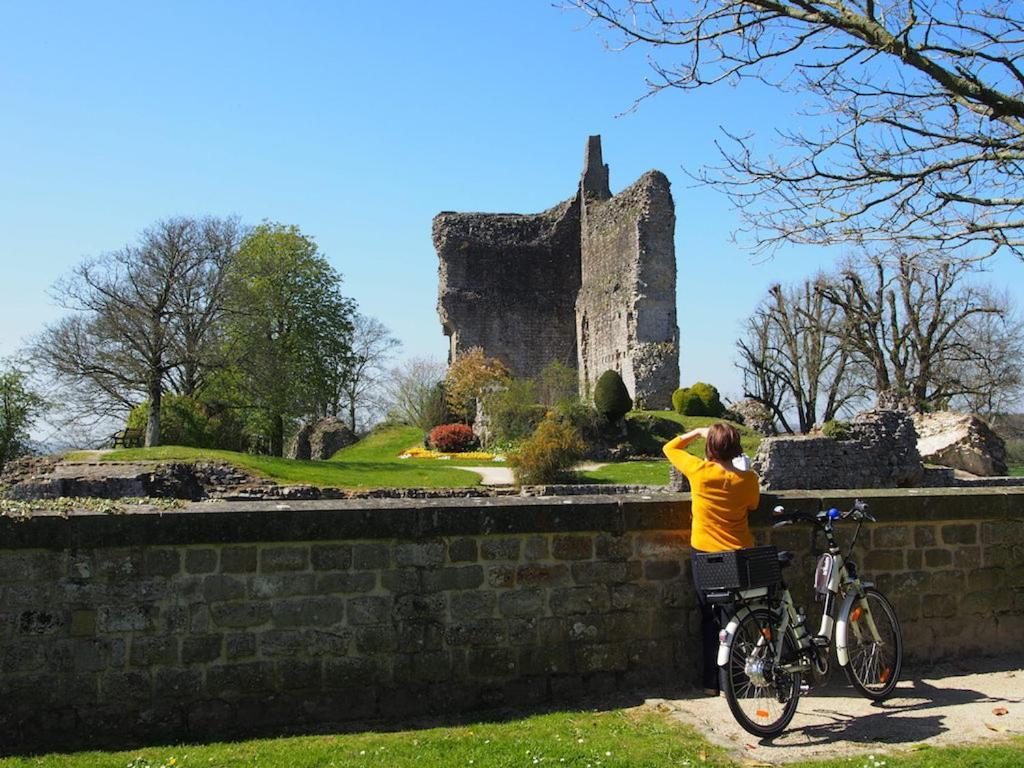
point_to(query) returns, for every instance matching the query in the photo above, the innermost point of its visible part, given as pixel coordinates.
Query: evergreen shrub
(611, 398)
(699, 400)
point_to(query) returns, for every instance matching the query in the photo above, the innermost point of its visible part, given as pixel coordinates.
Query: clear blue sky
(357, 122)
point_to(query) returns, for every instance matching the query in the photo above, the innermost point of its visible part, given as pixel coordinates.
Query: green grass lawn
(371, 463)
(649, 430)
(617, 739)
(1016, 470)
(629, 473)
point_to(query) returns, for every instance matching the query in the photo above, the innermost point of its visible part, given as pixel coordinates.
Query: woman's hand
(693, 434)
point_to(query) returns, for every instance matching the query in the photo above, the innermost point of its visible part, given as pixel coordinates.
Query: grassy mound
(371, 463)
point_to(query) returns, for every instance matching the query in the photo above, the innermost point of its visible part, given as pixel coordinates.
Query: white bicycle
(766, 656)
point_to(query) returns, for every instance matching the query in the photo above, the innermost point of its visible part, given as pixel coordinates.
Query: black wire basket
(737, 569)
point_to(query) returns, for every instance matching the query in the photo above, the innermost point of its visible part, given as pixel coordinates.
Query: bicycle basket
(738, 569)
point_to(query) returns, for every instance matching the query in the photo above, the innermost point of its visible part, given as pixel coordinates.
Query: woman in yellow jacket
(722, 497)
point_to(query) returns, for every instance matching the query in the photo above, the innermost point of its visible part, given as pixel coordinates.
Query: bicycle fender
(842, 654)
(725, 646)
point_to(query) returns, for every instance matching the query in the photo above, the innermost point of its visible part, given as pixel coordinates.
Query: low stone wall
(226, 619)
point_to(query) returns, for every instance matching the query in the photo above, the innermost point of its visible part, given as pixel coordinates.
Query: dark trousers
(710, 626)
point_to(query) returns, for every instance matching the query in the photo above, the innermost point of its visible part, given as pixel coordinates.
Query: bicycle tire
(870, 669)
(773, 706)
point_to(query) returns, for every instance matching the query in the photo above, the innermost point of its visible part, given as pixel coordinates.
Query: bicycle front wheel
(875, 646)
(761, 695)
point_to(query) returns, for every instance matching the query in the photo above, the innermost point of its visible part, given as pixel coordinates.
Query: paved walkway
(503, 475)
(942, 705)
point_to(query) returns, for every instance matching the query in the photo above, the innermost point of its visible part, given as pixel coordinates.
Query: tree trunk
(153, 422)
(352, 415)
(277, 436)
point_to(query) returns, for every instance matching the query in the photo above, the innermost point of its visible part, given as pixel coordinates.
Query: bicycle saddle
(785, 557)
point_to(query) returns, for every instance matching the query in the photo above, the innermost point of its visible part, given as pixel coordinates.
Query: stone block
(521, 602)
(522, 631)
(121, 688)
(599, 572)
(200, 561)
(492, 548)
(128, 618)
(369, 610)
(297, 674)
(422, 668)
(546, 660)
(661, 570)
(965, 533)
(662, 544)
(426, 607)
(501, 576)
(238, 560)
(239, 645)
(888, 536)
(573, 600)
(401, 581)
(40, 622)
(925, 536)
(285, 558)
(491, 663)
(18, 566)
(176, 683)
(600, 657)
(986, 603)
(536, 548)
(884, 560)
(370, 557)
(318, 611)
(631, 595)
(477, 633)
(283, 585)
(229, 680)
(985, 578)
(462, 550)
(1002, 532)
(915, 558)
(952, 582)
(614, 547)
(27, 656)
(119, 564)
(83, 623)
(472, 605)
(199, 649)
(936, 607)
(346, 583)
(938, 558)
(424, 554)
(161, 562)
(220, 587)
(967, 557)
(239, 615)
(454, 577)
(572, 547)
(331, 557)
(542, 575)
(147, 651)
(356, 672)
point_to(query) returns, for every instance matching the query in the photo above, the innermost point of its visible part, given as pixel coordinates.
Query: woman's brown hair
(723, 443)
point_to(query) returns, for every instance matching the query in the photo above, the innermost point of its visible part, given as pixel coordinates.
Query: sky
(358, 123)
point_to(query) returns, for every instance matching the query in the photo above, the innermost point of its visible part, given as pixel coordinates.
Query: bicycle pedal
(820, 641)
(805, 688)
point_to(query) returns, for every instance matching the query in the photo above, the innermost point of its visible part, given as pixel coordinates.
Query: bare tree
(141, 315)
(362, 376)
(917, 135)
(922, 330)
(415, 391)
(793, 359)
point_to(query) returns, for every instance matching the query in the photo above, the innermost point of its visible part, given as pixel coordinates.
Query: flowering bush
(549, 453)
(452, 438)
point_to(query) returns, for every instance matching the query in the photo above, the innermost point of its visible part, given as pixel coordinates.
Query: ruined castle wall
(507, 284)
(625, 311)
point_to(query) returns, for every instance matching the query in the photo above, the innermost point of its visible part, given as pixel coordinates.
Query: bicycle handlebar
(858, 512)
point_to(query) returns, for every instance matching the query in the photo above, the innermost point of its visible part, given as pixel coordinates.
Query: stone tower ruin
(590, 283)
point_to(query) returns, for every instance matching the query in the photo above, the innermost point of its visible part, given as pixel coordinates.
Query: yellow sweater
(721, 500)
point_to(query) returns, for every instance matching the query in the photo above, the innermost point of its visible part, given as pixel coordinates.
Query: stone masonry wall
(506, 283)
(227, 619)
(626, 308)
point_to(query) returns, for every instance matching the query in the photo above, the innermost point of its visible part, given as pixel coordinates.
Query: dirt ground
(945, 704)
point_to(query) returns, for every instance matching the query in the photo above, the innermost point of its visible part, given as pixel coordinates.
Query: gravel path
(940, 705)
(503, 475)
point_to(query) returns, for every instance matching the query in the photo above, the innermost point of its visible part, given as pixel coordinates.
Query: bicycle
(765, 652)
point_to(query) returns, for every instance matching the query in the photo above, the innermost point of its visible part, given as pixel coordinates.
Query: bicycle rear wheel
(761, 696)
(874, 664)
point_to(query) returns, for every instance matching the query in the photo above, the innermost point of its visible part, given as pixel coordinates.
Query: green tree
(288, 327)
(20, 406)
